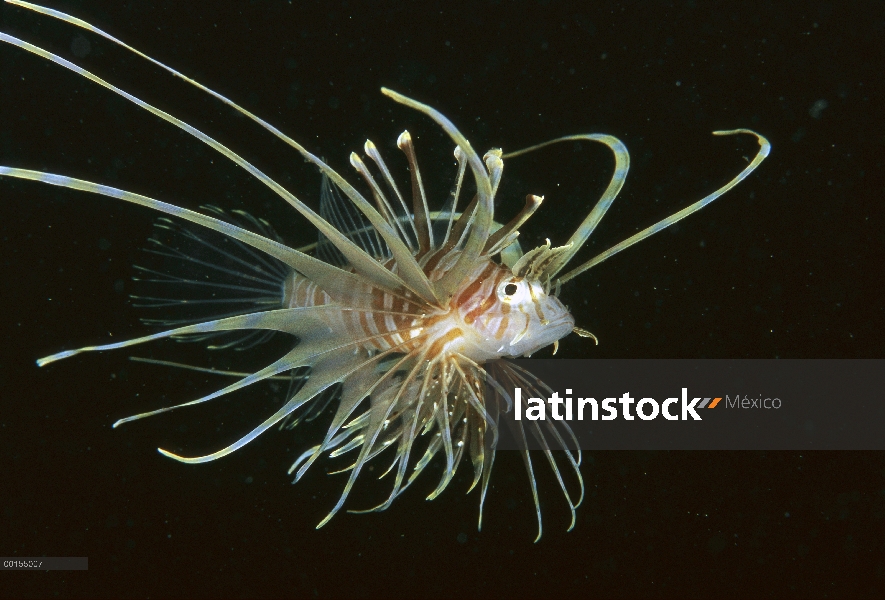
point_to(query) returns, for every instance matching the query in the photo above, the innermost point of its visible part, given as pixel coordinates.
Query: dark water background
(789, 264)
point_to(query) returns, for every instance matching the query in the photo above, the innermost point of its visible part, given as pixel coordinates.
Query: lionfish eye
(511, 291)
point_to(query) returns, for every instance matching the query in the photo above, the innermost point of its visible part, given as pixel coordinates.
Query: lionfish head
(512, 312)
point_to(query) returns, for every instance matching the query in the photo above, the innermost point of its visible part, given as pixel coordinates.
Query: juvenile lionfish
(403, 318)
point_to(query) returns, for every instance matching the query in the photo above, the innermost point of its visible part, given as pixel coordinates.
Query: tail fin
(190, 275)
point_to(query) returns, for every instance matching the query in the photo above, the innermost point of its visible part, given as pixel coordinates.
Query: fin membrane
(191, 274)
(346, 218)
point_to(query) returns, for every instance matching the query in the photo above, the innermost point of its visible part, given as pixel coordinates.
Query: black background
(786, 265)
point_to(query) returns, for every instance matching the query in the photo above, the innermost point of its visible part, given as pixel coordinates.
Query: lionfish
(403, 319)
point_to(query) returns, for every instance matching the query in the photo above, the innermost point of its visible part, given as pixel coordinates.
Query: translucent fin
(484, 214)
(419, 198)
(356, 387)
(379, 416)
(619, 176)
(410, 235)
(498, 240)
(384, 205)
(313, 410)
(169, 363)
(410, 274)
(286, 363)
(764, 150)
(622, 166)
(451, 204)
(301, 322)
(189, 275)
(331, 360)
(339, 284)
(512, 375)
(342, 215)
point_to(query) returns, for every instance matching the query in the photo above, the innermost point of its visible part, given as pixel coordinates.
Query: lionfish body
(481, 322)
(402, 318)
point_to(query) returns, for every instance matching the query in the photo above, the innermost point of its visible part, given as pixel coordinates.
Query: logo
(646, 409)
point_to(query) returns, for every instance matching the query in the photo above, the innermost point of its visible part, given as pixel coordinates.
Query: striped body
(481, 322)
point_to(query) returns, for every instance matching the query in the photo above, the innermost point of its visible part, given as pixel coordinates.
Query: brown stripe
(432, 263)
(363, 320)
(474, 286)
(380, 321)
(486, 304)
(437, 347)
(537, 304)
(502, 328)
